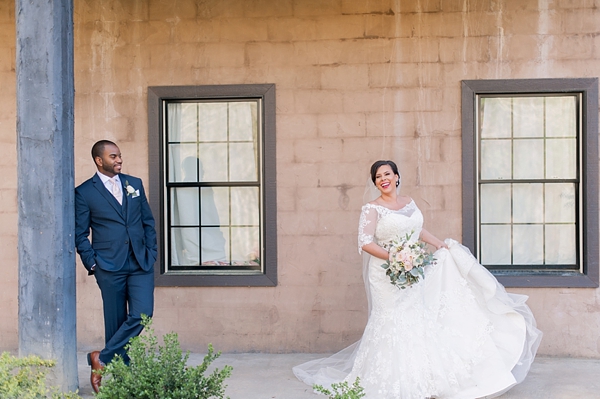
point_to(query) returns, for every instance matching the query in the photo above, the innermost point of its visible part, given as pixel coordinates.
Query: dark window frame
(588, 88)
(156, 97)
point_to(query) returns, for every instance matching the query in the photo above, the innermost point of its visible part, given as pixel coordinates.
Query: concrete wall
(356, 81)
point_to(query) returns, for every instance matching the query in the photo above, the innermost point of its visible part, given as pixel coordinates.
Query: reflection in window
(213, 186)
(528, 181)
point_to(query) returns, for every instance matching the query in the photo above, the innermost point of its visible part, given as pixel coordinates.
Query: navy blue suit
(124, 249)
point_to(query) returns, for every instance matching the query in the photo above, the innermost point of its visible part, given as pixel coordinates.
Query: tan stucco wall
(8, 182)
(356, 81)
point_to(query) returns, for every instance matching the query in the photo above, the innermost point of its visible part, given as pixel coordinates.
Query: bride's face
(385, 179)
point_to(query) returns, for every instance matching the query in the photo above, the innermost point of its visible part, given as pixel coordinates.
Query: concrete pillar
(47, 311)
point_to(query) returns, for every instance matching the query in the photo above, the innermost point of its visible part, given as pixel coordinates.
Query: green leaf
(25, 378)
(342, 390)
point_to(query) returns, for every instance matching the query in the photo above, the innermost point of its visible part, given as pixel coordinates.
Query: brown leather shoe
(93, 359)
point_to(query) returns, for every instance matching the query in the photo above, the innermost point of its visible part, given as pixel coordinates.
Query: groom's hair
(98, 148)
(379, 164)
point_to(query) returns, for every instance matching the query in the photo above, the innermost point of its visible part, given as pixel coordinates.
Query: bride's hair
(379, 164)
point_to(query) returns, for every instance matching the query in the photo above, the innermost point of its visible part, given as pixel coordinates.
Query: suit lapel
(126, 197)
(125, 200)
(107, 194)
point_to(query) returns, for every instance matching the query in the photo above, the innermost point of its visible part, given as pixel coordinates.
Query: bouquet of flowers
(406, 261)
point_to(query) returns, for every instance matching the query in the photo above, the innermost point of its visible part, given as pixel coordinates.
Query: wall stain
(343, 200)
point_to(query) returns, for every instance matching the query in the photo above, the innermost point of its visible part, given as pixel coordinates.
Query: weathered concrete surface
(267, 376)
(44, 68)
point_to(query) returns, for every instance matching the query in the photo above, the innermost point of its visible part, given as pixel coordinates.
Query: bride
(456, 334)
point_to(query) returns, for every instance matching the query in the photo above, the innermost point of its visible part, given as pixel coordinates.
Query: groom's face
(110, 162)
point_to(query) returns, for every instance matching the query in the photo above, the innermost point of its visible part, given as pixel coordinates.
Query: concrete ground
(269, 376)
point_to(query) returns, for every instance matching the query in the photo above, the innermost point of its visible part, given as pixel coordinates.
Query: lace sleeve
(366, 226)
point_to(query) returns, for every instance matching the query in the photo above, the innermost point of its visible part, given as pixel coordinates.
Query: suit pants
(126, 295)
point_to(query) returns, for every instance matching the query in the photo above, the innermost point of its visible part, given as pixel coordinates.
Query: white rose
(130, 189)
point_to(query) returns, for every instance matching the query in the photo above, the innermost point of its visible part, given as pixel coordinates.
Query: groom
(122, 252)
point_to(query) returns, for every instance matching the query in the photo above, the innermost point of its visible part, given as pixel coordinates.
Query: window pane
(496, 158)
(185, 244)
(213, 122)
(242, 121)
(244, 245)
(561, 158)
(221, 202)
(560, 244)
(244, 206)
(495, 245)
(179, 164)
(560, 203)
(189, 169)
(213, 159)
(528, 244)
(495, 203)
(495, 117)
(528, 203)
(211, 214)
(243, 162)
(529, 159)
(183, 122)
(561, 116)
(184, 206)
(214, 246)
(528, 117)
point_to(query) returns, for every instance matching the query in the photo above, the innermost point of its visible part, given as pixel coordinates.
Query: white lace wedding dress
(457, 334)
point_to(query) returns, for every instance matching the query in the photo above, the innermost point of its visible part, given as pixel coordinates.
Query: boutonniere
(131, 191)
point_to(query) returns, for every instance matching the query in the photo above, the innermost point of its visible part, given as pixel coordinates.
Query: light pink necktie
(116, 191)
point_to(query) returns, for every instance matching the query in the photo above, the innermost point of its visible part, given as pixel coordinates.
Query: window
(530, 174)
(212, 191)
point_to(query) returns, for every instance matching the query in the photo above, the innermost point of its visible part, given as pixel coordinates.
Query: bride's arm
(366, 233)
(375, 250)
(431, 239)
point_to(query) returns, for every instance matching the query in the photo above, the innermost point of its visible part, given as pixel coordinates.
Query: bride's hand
(432, 240)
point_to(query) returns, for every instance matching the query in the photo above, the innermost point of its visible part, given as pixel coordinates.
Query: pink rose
(407, 260)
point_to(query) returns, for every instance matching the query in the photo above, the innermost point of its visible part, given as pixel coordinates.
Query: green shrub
(342, 390)
(160, 372)
(25, 378)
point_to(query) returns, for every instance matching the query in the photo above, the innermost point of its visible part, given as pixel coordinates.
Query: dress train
(457, 334)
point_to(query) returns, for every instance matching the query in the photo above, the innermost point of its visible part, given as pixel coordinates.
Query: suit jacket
(114, 227)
